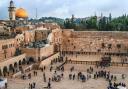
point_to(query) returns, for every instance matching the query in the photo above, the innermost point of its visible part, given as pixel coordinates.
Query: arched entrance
(0, 72)
(31, 60)
(11, 68)
(24, 61)
(15, 65)
(5, 70)
(20, 63)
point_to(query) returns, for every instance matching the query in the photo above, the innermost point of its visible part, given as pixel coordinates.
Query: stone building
(38, 54)
(10, 56)
(41, 34)
(7, 48)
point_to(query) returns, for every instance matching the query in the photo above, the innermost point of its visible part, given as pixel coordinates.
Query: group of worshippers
(104, 74)
(59, 59)
(116, 85)
(57, 77)
(32, 85)
(99, 74)
(25, 76)
(80, 76)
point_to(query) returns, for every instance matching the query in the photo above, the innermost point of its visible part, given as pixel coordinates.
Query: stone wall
(29, 36)
(19, 39)
(30, 52)
(39, 52)
(47, 61)
(41, 35)
(108, 34)
(57, 36)
(46, 51)
(92, 41)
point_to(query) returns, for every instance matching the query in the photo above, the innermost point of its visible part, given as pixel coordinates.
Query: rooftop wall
(112, 34)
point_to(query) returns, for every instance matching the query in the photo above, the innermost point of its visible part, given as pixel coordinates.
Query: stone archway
(0, 72)
(5, 70)
(11, 68)
(31, 60)
(24, 61)
(20, 62)
(15, 65)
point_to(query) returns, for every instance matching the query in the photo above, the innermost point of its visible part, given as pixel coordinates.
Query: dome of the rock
(21, 13)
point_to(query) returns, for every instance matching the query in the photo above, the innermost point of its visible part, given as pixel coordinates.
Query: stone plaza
(65, 82)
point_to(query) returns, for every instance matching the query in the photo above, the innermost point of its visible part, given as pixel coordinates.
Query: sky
(65, 8)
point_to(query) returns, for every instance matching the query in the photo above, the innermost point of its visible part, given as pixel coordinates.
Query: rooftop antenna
(36, 24)
(36, 14)
(36, 17)
(101, 15)
(95, 14)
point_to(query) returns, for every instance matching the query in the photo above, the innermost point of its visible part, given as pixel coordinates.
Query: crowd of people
(32, 85)
(116, 85)
(29, 75)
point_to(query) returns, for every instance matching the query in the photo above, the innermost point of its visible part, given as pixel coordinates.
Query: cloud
(64, 8)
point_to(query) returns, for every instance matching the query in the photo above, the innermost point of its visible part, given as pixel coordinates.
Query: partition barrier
(96, 63)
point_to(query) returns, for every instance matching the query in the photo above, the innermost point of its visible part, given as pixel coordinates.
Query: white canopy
(120, 87)
(2, 82)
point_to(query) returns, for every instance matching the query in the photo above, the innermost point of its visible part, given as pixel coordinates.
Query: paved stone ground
(66, 83)
(100, 83)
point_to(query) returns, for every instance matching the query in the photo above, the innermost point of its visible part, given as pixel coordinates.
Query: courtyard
(65, 82)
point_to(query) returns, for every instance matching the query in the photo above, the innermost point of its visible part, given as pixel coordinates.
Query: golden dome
(21, 13)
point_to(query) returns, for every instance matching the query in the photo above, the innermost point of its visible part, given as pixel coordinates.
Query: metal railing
(119, 64)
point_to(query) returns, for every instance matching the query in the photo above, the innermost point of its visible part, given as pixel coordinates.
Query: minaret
(101, 15)
(73, 17)
(11, 10)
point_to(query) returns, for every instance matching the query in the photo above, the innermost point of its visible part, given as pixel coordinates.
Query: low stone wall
(46, 51)
(27, 69)
(30, 52)
(47, 61)
(17, 74)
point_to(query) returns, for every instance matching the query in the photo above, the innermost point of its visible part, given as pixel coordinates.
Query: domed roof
(21, 13)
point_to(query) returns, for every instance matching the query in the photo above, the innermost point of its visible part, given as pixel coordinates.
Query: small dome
(21, 13)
